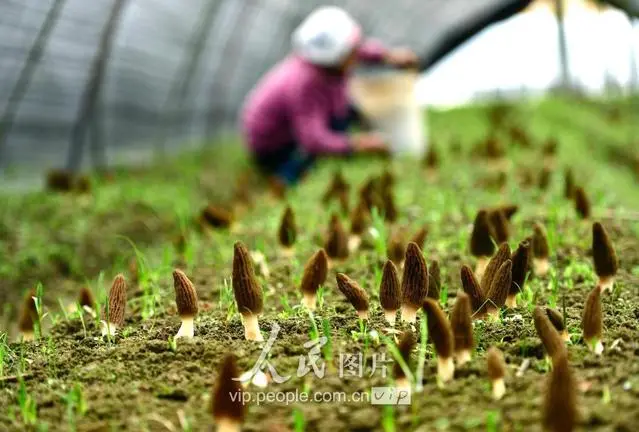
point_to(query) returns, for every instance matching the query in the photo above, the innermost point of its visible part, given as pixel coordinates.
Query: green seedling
(299, 422)
(172, 342)
(79, 311)
(553, 285)
(6, 354)
(606, 398)
(320, 296)
(328, 347)
(288, 310)
(388, 418)
(227, 300)
(313, 332)
(443, 295)
(63, 309)
(76, 405)
(147, 280)
(27, 404)
(39, 309)
(421, 360)
(397, 356)
(492, 421)
(50, 353)
(379, 238)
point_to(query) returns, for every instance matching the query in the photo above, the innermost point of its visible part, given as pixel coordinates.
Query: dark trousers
(290, 162)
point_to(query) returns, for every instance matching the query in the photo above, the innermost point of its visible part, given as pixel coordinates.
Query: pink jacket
(295, 101)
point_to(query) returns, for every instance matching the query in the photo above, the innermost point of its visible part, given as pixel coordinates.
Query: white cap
(327, 36)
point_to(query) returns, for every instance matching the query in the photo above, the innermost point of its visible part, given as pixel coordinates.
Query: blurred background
(86, 85)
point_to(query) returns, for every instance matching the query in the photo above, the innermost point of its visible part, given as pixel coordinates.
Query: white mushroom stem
(480, 267)
(511, 301)
(541, 266)
(363, 314)
(27, 336)
(390, 316)
(402, 384)
(596, 346)
(225, 424)
(409, 313)
(109, 329)
(186, 329)
(309, 300)
(445, 368)
(252, 328)
(354, 241)
(606, 283)
(499, 388)
(287, 252)
(493, 313)
(462, 356)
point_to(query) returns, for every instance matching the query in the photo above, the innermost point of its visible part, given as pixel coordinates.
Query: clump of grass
(27, 404)
(314, 276)
(592, 322)
(496, 367)
(541, 250)
(560, 399)
(441, 334)
(354, 293)
(462, 326)
(76, 405)
(481, 242)
(389, 292)
(604, 257)
(378, 232)
(5, 353)
(287, 232)
(113, 315)
(328, 347)
(187, 303)
(247, 291)
(227, 403)
(414, 283)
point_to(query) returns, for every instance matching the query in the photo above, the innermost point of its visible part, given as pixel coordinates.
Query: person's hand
(369, 143)
(402, 57)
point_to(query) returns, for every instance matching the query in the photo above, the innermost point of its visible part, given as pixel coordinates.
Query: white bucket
(388, 99)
